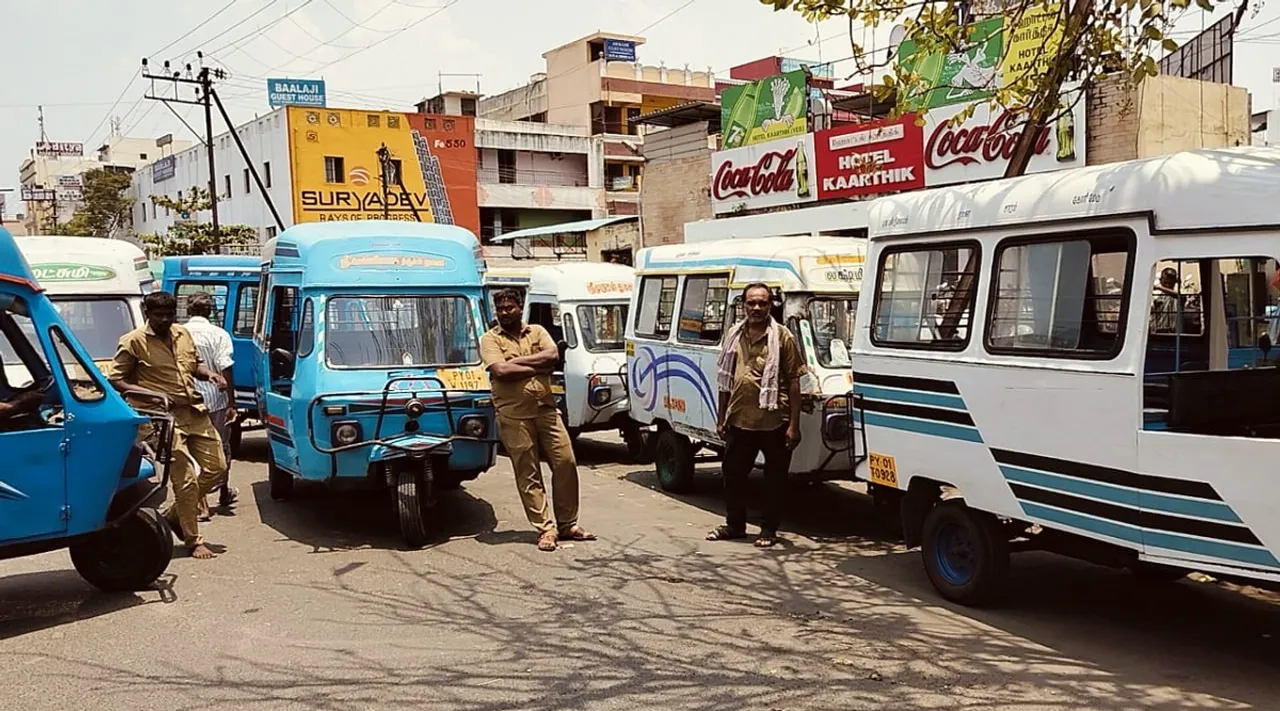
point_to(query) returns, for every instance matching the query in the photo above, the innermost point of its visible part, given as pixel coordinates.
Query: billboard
(819, 70)
(59, 149)
(295, 92)
(779, 172)
(38, 194)
(616, 50)
(164, 169)
(870, 158)
(336, 171)
(765, 110)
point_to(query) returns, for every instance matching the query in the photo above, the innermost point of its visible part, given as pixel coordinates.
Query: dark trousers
(741, 449)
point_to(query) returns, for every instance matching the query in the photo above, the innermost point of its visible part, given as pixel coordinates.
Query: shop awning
(562, 228)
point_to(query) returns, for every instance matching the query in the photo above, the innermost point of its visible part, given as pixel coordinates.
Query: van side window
(702, 309)
(657, 305)
(246, 306)
(1060, 298)
(217, 291)
(307, 331)
(547, 316)
(570, 333)
(924, 296)
(260, 310)
(284, 311)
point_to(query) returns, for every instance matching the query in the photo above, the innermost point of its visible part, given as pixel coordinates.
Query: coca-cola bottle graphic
(1066, 135)
(802, 171)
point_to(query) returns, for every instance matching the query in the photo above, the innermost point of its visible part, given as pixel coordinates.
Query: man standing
(161, 357)
(213, 344)
(520, 358)
(759, 411)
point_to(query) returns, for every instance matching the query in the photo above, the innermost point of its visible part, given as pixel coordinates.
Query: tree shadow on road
(36, 601)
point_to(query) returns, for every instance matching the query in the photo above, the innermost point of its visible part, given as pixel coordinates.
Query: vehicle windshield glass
(832, 321)
(602, 326)
(402, 330)
(97, 323)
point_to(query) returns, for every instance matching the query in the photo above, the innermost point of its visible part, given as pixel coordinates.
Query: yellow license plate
(557, 389)
(464, 378)
(884, 471)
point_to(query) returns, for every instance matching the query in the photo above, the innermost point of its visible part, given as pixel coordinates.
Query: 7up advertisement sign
(46, 273)
(774, 107)
(965, 77)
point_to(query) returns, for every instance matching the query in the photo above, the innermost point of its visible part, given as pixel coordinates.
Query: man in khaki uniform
(520, 358)
(161, 357)
(759, 411)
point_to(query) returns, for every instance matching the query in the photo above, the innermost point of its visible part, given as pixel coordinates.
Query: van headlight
(473, 426)
(344, 433)
(601, 395)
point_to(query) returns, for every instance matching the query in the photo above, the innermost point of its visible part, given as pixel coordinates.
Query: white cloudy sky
(77, 57)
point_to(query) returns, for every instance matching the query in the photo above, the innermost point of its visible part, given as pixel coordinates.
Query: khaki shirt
(744, 400)
(518, 399)
(148, 361)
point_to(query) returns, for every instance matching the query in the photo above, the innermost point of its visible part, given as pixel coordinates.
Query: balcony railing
(513, 176)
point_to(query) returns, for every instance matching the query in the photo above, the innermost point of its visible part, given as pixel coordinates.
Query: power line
(665, 17)
(258, 31)
(192, 31)
(397, 33)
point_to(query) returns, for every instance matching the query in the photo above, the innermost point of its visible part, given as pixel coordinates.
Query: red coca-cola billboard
(870, 158)
(768, 174)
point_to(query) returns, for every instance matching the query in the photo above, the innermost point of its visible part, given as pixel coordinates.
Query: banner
(956, 78)
(768, 174)
(295, 92)
(870, 158)
(337, 173)
(774, 107)
(61, 149)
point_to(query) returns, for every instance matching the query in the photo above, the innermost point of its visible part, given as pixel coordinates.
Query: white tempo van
(584, 306)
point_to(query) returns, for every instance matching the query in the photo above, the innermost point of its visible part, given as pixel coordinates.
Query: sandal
(548, 541)
(724, 533)
(228, 498)
(766, 539)
(577, 533)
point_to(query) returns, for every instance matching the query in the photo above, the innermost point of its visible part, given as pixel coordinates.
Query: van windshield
(402, 330)
(832, 321)
(97, 323)
(602, 326)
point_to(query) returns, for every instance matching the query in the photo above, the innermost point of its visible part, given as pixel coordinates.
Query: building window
(373, 120)
(393, 122)
(506, 166)
(1060, 297)
(266, 173)
(702, 309)
(334, 171)
(247, 187)
(924, 296)
(468, 107)
(657, 304)
(271, 232)
(142, 156)
(226, 185)
(632, 128)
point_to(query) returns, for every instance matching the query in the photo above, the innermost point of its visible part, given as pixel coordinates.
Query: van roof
(13, 265)
(583, 281)
(212, 266)
(1188, 191)
(87, 265)
(378, 253)
(801, 222)
(827, 264)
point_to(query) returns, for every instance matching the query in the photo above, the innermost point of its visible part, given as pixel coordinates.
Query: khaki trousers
(198, 467)
(527, 442)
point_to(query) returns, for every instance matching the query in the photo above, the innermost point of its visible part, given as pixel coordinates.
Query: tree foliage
(1061, 42)
(106, 207)
(187, 236)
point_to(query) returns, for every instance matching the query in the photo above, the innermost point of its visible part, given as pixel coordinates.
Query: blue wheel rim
(955, 553)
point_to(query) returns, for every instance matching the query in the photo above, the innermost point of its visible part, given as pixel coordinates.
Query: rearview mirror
(281, 360)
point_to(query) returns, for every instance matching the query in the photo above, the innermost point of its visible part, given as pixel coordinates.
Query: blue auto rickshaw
(233, 283)
(369, 361)
(74, 476)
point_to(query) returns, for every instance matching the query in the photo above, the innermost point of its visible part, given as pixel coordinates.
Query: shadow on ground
(36, 601)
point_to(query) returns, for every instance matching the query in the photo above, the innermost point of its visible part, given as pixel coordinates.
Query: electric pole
(203, 81)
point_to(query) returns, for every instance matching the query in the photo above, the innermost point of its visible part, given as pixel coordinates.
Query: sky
(80, 59)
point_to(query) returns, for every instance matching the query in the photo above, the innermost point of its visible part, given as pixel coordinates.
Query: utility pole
(203, 81)
(384, 170)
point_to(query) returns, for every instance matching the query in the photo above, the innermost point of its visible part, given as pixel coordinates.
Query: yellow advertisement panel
(337, 173)
(1033, 43)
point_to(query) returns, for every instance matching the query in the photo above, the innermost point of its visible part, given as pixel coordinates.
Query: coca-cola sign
(979, 148)
(766, 174)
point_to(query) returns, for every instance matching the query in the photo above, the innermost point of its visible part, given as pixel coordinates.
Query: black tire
(279, 481)
(235, 435)
(411, 497)
(127, 557)
(965, 552)
(637, 441)
(673, 461)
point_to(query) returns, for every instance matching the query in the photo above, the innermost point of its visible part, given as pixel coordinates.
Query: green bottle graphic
(742, 117)
(802, 172)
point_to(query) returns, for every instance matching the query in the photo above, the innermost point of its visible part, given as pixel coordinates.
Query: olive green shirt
(518, 399)
(744, 400)
(163, 365)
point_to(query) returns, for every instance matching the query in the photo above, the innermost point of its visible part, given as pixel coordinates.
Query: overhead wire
(193, 30)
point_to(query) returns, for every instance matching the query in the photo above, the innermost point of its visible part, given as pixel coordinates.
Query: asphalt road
(315, 605)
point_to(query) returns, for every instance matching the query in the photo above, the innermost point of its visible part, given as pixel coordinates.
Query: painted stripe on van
(726, 262)
(955, 417)
(1107, 475)
(914, 397)
(907, 382)
(926, 427)
(1211, 510)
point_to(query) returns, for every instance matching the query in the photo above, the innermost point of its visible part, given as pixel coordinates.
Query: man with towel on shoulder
(759, 382)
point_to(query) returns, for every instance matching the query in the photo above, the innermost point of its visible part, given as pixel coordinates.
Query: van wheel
(128, 557)
(966, 554)
(279, 481)
(637, 442)
(673, 461)
(235, 435)
(411, 504)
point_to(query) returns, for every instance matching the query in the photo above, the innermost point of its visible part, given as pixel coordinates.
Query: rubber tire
(279, 481)
(990, 546)
(673, 462)
(411, 507)
(236, 435)
(128, 557)
(638, 444)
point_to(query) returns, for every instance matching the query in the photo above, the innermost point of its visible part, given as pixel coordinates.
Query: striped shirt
(214, 346)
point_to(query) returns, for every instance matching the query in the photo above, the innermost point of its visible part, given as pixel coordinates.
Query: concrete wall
(674, 191)
(517, 104)
(1163, 115)
(573, 84)
(678, 142)
(620, 235)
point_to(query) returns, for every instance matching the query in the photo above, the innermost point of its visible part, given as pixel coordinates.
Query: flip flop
(766, 539)
(548, 541)
(577, 533)
(724, 533)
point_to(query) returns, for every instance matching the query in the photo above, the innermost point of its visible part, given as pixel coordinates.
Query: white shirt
(214, 346)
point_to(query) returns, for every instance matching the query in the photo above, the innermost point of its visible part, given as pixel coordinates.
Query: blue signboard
(295, 92)
(616, 50)
(163, 169)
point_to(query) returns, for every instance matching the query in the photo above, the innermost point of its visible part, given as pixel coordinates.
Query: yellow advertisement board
(1032, 43)
(336, 171)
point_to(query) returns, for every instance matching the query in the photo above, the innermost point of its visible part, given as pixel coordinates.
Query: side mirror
(281, 360)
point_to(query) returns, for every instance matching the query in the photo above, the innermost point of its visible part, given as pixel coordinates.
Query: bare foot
(202, 552)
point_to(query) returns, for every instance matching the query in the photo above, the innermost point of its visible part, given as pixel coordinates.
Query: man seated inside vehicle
(15, 403)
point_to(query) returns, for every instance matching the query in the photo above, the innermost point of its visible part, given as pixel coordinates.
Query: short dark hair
(502, 295)
(756, 285)
(200, 303)
(159, 300)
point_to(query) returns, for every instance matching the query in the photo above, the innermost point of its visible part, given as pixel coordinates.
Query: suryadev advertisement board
(780, 172)
(872, 158)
